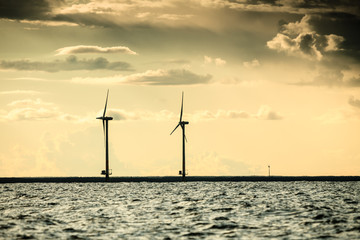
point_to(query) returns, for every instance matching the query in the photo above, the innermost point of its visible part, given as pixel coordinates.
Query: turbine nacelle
(181, 122)
(105, 118)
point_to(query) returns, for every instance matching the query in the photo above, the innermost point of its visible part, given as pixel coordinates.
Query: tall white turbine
(182, 124)
(105, 122)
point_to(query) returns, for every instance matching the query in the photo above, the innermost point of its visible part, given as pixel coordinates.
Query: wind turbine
(105, 122)
(182, 124)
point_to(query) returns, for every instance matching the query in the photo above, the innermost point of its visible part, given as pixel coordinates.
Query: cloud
(343, 114)
(39, 110)
(216, 61)
(287, 6)
(71, 63)
(29, 102)
(93, 49)
(329, 77)
(333, 42)
(29, 109)
(253, 64)
(173, 13)
(31, 114)
(185, 63)
(175, 17)
(341, 24)
(219, 62)
(36, 110)
(353, 82)
(151, 77)
(24, 9)
(48, 23)
(121, 114)
(332, 76)
(354, 102)
(219, 114)
(207, 59)
(14, 92)
(264, 113)
(30, 79)
(299, 39)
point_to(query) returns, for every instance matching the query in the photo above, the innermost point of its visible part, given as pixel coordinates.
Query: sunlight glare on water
(214, 210)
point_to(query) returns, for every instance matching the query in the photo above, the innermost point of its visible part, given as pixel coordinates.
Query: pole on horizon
(269, 170)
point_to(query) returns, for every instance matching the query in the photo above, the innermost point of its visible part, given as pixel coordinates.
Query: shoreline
(179, 179)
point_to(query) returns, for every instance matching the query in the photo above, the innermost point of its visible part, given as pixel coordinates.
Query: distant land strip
(179, 179)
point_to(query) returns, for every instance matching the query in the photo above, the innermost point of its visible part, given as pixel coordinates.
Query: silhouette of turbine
(182, 124)
(105, 122)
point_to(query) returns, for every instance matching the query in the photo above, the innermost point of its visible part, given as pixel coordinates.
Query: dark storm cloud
(71, 63)
(44, 10)
(320, 4)
(342, 24)
(178, 13)
(26, 9)
(300, 39)
(340, 18)
(93, 12)
(332, 39)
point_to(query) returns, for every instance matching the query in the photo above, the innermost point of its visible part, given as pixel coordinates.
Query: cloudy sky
(271, 82)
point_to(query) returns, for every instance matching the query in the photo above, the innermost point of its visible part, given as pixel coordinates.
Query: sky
(271, 82)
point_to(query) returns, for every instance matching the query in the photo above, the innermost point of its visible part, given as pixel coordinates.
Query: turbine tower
(182, 124)
(105, 122)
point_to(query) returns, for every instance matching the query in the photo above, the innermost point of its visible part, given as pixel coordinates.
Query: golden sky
(265, 83)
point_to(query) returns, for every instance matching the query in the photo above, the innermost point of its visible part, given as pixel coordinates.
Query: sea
(180, 210)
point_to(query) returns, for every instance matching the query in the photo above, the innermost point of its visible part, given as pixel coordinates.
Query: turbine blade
(175, 129)
(185, 138)
(107, 95)
(182, 101)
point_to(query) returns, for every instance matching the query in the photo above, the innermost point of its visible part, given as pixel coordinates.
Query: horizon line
(178, 179)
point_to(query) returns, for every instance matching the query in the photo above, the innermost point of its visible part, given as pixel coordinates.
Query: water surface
(198, 210)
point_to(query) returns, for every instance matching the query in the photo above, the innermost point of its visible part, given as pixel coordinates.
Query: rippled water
(212, 210)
